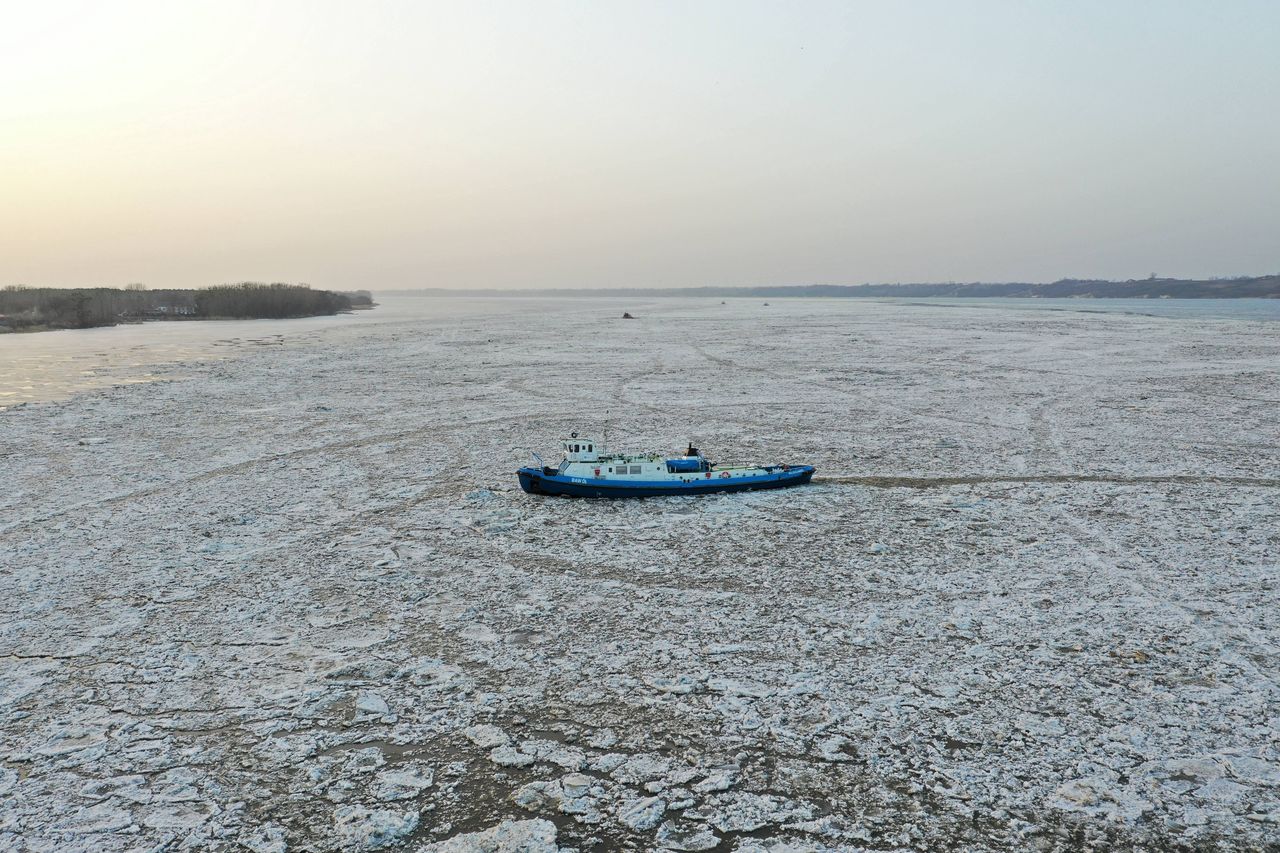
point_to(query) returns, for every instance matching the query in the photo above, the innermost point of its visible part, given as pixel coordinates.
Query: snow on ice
(293, 599)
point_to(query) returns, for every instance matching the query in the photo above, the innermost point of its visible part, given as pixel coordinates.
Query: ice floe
(297, 603)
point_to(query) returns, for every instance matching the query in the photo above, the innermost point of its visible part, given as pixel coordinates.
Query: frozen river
(292, 599)
(55, 365)
(1174, 309)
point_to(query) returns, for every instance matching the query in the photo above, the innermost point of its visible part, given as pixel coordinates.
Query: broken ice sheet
(727, 656)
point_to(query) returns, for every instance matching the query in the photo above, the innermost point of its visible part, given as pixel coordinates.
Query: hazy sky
(381, 144)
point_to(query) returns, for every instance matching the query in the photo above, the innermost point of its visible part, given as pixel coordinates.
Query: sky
(641, 144)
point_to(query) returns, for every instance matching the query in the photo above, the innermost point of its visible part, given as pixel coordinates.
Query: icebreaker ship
(589, 471)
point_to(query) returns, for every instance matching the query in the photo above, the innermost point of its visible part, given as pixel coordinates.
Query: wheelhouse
(580, 449)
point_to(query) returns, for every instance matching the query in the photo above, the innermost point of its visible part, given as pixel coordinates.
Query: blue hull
(536, 481)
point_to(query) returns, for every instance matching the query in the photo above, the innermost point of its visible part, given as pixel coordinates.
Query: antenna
(606, 431)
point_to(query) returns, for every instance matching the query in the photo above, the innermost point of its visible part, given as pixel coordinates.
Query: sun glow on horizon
(570, 144)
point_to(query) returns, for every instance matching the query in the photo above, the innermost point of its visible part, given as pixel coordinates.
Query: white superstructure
(584, 457)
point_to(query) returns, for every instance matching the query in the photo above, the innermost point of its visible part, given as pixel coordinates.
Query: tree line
(1240, 287)
(30, 308)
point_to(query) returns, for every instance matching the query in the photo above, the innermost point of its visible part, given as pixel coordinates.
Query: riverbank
(25, 309)
(1239, 287)
(140, 321)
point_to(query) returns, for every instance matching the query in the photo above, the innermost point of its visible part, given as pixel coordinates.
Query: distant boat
(589, 471)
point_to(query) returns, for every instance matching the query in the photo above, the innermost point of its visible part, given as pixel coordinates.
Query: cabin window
(588, 448)
(575, 448)
(635, 469)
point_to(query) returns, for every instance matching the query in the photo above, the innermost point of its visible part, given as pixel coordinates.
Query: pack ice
(294, 600)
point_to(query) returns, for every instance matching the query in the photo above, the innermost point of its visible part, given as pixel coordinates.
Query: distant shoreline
(26, 309)
(26, 330)
(1257, 287)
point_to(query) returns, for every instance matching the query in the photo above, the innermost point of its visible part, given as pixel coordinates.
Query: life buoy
(708, 475)
(724, 473)
(597, 472)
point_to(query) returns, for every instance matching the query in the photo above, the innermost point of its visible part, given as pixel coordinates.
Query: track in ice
(1121, 480)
